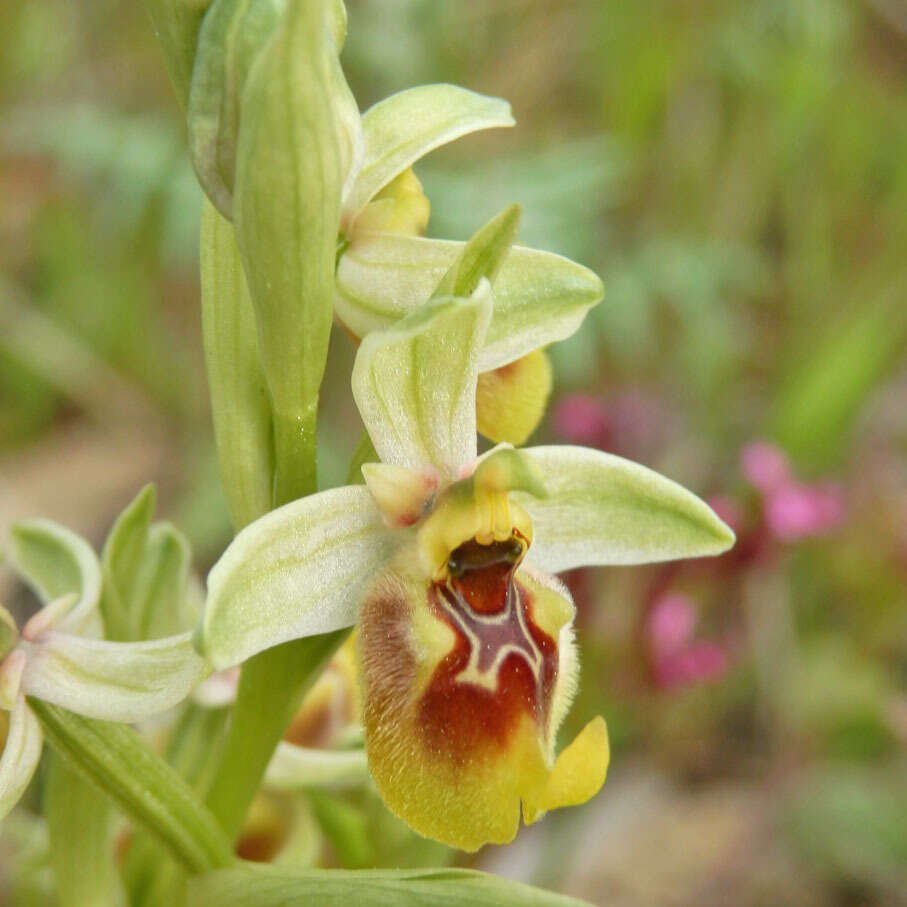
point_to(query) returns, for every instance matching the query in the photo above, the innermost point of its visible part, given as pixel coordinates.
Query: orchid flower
(59, 658)
(387, 270)
(444, 560)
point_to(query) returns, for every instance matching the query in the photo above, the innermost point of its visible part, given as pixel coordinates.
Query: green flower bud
(232, 36)
(295, 148)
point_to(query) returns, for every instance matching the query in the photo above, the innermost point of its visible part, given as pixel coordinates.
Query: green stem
(271, 688)
(119, 761)
(294, 448)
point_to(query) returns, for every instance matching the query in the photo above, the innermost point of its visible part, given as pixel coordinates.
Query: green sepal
(121, 560)
(298, 571)
(539, 297)
(114, 681)
(604, 510)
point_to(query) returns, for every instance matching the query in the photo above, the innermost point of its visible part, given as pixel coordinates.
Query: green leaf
(240, 406)
(253, 886)
(415, 384)
(294, 152)
(146, 571)
(828, 388)
(81, 840)
(482, 256)
(21, 752)
(146, 788)
(539, 297)
(193, 748)
(298, 571)
(176, 24)
(299, 768)
(605, 510)
(406, 126)
(116, 681)
(56, 562)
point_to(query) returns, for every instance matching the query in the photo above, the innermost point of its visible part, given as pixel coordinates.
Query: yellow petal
(578, 772)
(511, 400)
(400, 207)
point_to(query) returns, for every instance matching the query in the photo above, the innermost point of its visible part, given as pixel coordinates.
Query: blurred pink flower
(670, 624)
(796, 511)
(793, 510)
(637, 420)
(629, 422)
(700, 662)
(581, 418)
(765, 466)
(677, 659)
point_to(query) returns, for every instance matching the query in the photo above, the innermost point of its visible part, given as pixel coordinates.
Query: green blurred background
(736, 172)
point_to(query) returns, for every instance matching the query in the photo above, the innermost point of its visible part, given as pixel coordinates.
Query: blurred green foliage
(737, 173)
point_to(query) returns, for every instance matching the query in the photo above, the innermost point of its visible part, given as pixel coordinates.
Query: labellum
(468, 671)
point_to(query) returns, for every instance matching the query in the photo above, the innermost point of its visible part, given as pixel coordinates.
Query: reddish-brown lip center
(502, 665)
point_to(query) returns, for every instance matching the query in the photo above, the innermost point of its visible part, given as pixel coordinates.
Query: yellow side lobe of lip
(577, 775)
